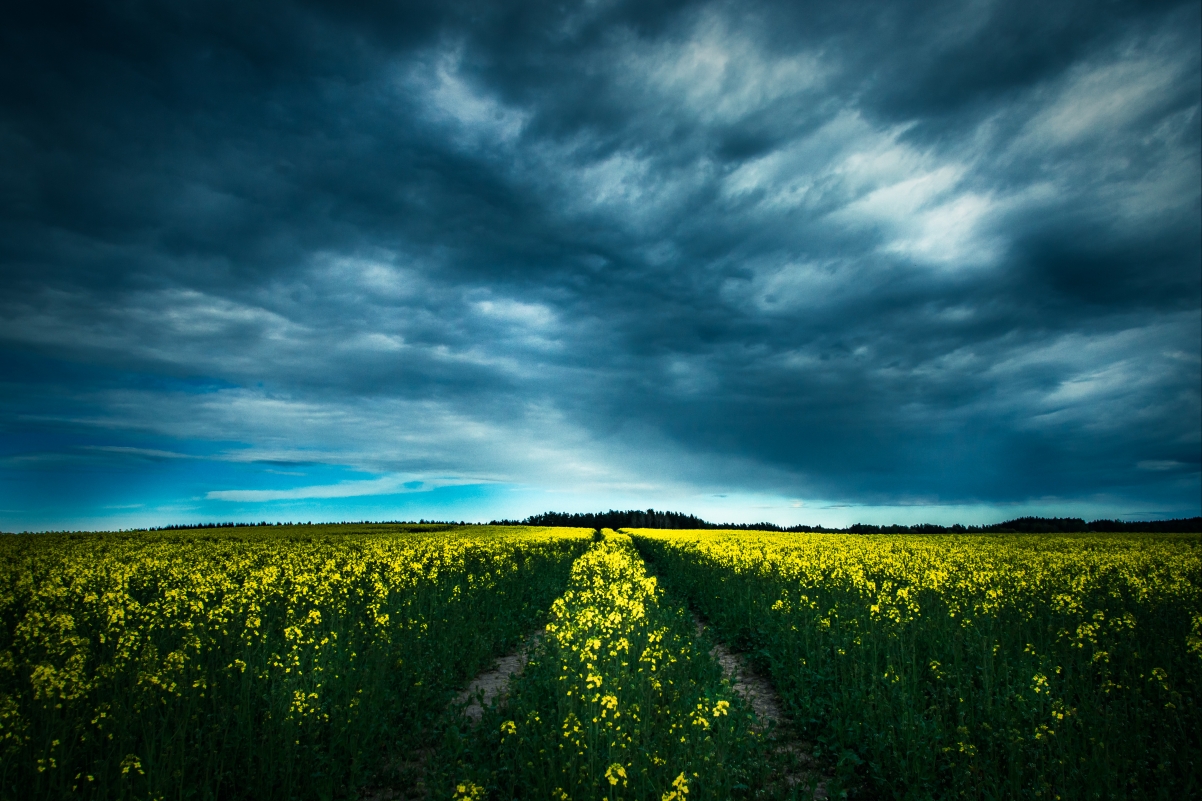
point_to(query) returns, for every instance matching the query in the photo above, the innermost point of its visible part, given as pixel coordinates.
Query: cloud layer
(883, 256)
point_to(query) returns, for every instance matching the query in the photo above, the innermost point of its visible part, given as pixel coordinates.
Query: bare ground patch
(410, 770)
(799, 769)
(494, 682)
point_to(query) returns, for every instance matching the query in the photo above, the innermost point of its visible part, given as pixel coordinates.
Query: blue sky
(820, 263)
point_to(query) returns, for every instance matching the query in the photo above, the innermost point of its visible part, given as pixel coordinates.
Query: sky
(821, 263)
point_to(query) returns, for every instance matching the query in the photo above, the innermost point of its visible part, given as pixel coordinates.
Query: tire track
(799, 769)
(493, 684)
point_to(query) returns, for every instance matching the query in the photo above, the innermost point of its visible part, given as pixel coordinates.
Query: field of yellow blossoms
(284, 662)
(990, 666)
(322, 662)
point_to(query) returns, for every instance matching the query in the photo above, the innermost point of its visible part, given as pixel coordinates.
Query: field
(996, 666)
(303, 662)
(259, 663)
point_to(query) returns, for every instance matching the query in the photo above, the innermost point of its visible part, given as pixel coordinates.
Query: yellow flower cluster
(600, 632)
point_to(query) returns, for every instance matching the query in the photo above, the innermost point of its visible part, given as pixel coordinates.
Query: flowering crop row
(1042, 666)
(618, 702)
(237, 663)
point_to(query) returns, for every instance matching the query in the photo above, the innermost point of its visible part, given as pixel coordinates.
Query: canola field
(321, 662)
(993, 666)
(258, 663)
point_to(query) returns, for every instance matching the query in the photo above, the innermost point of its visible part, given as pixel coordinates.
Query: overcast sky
(798, 262)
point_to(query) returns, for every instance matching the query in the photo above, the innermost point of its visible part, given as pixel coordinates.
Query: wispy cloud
(147, 453)
(385, 485)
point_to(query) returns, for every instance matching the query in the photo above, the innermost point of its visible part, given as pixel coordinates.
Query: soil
(410, 770)
(494, 682)
(800, 768)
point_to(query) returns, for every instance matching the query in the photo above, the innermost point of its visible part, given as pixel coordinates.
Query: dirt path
(410, 770)
(799, 769)
(494, 682)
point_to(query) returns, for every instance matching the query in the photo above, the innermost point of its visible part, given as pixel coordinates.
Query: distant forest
(650, 518)
(636, 518)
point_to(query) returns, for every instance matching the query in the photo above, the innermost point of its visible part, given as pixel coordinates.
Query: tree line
(650, 518)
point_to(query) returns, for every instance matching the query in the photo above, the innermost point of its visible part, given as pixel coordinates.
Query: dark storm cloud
(892, 253)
